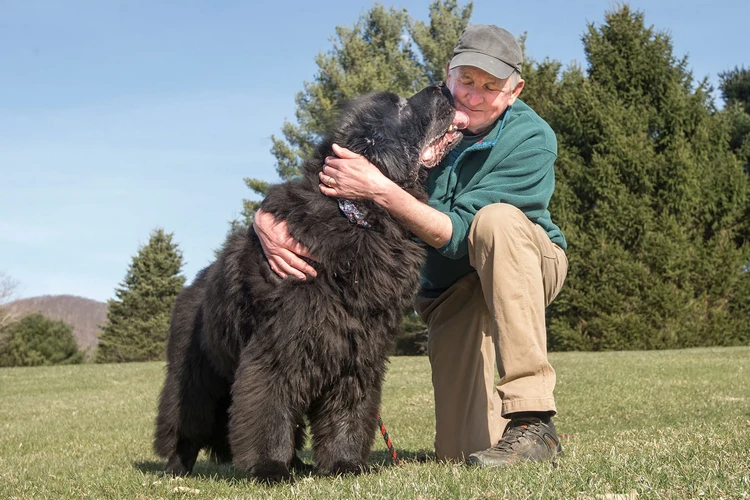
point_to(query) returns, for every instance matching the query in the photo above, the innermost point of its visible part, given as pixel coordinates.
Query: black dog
(251, 356)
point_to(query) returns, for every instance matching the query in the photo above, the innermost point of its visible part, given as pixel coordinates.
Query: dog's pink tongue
(461, 120)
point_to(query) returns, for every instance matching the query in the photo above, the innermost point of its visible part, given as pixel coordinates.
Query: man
(495, 261)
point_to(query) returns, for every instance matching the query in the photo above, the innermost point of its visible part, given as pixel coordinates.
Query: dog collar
(353, 213)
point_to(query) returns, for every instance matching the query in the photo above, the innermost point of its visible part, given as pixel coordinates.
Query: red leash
(387, 439)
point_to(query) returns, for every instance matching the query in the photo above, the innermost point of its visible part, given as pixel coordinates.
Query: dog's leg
(189, 411)
(218, 446)
(168, 417)
(183, 459)
(262, 423)
(343, 427)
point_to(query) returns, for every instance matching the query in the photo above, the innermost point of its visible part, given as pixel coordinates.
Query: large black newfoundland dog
(251, 357)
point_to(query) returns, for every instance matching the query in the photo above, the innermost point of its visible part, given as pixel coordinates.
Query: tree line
(652, 191)
(652, 183)
(137, 318)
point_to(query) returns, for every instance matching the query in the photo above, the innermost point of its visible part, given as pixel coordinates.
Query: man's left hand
(351, 176)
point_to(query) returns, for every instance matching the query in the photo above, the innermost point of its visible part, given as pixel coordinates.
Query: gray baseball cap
(489, 48)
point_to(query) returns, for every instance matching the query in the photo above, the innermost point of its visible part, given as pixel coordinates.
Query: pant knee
(493, 226)
(498, 217)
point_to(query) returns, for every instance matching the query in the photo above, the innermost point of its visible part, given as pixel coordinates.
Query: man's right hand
(284, 254)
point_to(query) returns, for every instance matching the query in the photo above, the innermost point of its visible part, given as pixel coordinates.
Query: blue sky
(120, 117)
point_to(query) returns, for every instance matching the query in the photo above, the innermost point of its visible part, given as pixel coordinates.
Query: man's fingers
(326, 190)
(326, 178)
(291, 271)
(292, 264)
(276, 268)
(283, 269)
(299, 249)
(281, 250)
(344, 153)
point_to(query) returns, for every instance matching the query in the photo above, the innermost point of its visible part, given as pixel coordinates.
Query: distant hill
(84, 315)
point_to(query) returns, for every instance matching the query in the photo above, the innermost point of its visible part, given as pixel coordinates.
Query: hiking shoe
(524, 439)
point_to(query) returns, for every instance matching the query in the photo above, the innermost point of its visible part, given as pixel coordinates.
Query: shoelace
(513, 436)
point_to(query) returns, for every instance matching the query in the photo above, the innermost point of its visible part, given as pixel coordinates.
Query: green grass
(664, 424)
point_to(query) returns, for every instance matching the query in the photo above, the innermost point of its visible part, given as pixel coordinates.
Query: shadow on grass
(382, 458)
(208, 470)
(204, 469)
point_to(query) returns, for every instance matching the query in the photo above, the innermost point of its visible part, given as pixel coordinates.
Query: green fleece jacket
(514, 164)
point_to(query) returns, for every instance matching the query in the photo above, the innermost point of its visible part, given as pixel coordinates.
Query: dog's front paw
(176, 467)
(300, 467)
(343, 467)
(270, 472)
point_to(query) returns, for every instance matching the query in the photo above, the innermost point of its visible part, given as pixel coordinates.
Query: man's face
(480, 95)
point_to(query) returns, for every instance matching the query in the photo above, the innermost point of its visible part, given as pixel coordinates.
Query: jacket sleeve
(524, 179)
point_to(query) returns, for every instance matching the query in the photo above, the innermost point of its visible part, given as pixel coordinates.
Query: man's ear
(517, 91)
(447, 70)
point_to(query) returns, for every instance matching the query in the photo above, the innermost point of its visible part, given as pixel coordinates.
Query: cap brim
(494, 67)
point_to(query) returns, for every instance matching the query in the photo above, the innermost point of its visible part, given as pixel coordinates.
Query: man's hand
(351, 176)
(282, 251)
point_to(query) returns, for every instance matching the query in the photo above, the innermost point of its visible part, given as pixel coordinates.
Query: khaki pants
(493, 314)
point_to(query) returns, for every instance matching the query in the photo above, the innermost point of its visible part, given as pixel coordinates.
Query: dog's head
(399, 135)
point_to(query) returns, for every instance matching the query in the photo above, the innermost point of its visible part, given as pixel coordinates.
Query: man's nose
(475, 97)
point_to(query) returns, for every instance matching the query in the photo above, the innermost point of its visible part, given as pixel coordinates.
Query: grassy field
(666, 424)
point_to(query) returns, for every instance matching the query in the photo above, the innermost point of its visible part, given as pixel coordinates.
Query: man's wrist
(383, 194)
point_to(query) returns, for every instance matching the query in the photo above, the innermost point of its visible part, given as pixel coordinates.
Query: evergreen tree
(735, 90)
(436, 40)
(384, 50)
(138, 318)
(649, 196)
(36, 340)
(735, 87)
(412, 341)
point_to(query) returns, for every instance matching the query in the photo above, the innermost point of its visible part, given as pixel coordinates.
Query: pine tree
(735, 87)
(36, 340)
(735, 90)
(436, 40)
(385, 50)
(138, 318)
(649, 196)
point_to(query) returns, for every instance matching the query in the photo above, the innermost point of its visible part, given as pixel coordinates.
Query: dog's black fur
(251, 356)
